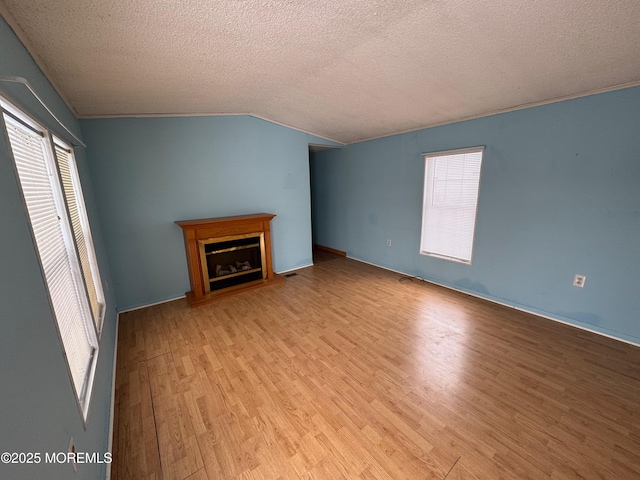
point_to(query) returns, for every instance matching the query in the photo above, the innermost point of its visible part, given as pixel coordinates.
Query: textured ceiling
(348, 71)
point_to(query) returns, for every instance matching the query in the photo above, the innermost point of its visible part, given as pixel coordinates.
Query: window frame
(427, 191)
(94, 271)
(20, 119)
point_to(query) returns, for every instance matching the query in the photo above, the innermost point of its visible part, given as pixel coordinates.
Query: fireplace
(227, 255)
(232, 260)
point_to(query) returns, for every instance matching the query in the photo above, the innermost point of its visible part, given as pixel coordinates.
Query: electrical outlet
(578, 280)
(388, 242)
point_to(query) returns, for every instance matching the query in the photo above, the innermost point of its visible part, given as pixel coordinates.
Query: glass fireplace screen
(232, 260)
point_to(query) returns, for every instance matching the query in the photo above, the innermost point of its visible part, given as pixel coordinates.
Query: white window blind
(451, 184)
(33, 156)
(80, 228)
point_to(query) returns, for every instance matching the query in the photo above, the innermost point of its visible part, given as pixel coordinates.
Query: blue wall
(559, 195)
(38, 409)
(149, 172)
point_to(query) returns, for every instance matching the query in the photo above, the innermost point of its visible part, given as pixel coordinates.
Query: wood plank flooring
(344, 372)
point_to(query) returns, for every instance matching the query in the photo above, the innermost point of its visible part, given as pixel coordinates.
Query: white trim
(456, 151)
(324, 146)
(281, 272)
(28, 45)
(233, 114)
(165, 115)
(266, 119)
(380, 266)
(4, 12)
(444, 257)
(25, 82)
(140, 307)
(68, 332)
(431, 211)
(521, 309)
(507, 110)
(113, 399)
(523, 106)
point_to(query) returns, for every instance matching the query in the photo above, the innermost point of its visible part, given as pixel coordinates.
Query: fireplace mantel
(246, 236)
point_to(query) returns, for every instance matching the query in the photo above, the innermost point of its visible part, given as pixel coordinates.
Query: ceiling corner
(26, 42)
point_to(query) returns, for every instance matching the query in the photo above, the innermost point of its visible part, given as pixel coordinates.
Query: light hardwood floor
(344, 372)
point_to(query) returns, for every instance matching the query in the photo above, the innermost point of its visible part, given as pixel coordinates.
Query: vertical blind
(452, 181)
(79, 227)
(40, 187)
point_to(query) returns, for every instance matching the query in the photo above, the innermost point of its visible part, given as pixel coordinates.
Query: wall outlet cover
(578, 280)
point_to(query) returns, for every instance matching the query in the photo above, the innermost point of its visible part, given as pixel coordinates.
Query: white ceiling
(345, 70)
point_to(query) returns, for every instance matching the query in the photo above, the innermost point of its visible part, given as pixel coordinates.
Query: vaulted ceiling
(344, 70)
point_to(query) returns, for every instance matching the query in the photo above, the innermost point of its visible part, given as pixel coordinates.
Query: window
(451, 184)
(80, 228)
(63, 242)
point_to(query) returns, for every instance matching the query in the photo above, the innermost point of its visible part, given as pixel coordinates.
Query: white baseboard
(492, 300)
(140, 307)
(282, 272)
(113, 399)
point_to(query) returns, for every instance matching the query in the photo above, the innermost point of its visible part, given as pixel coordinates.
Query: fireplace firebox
(227, 255)
(232, 260)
